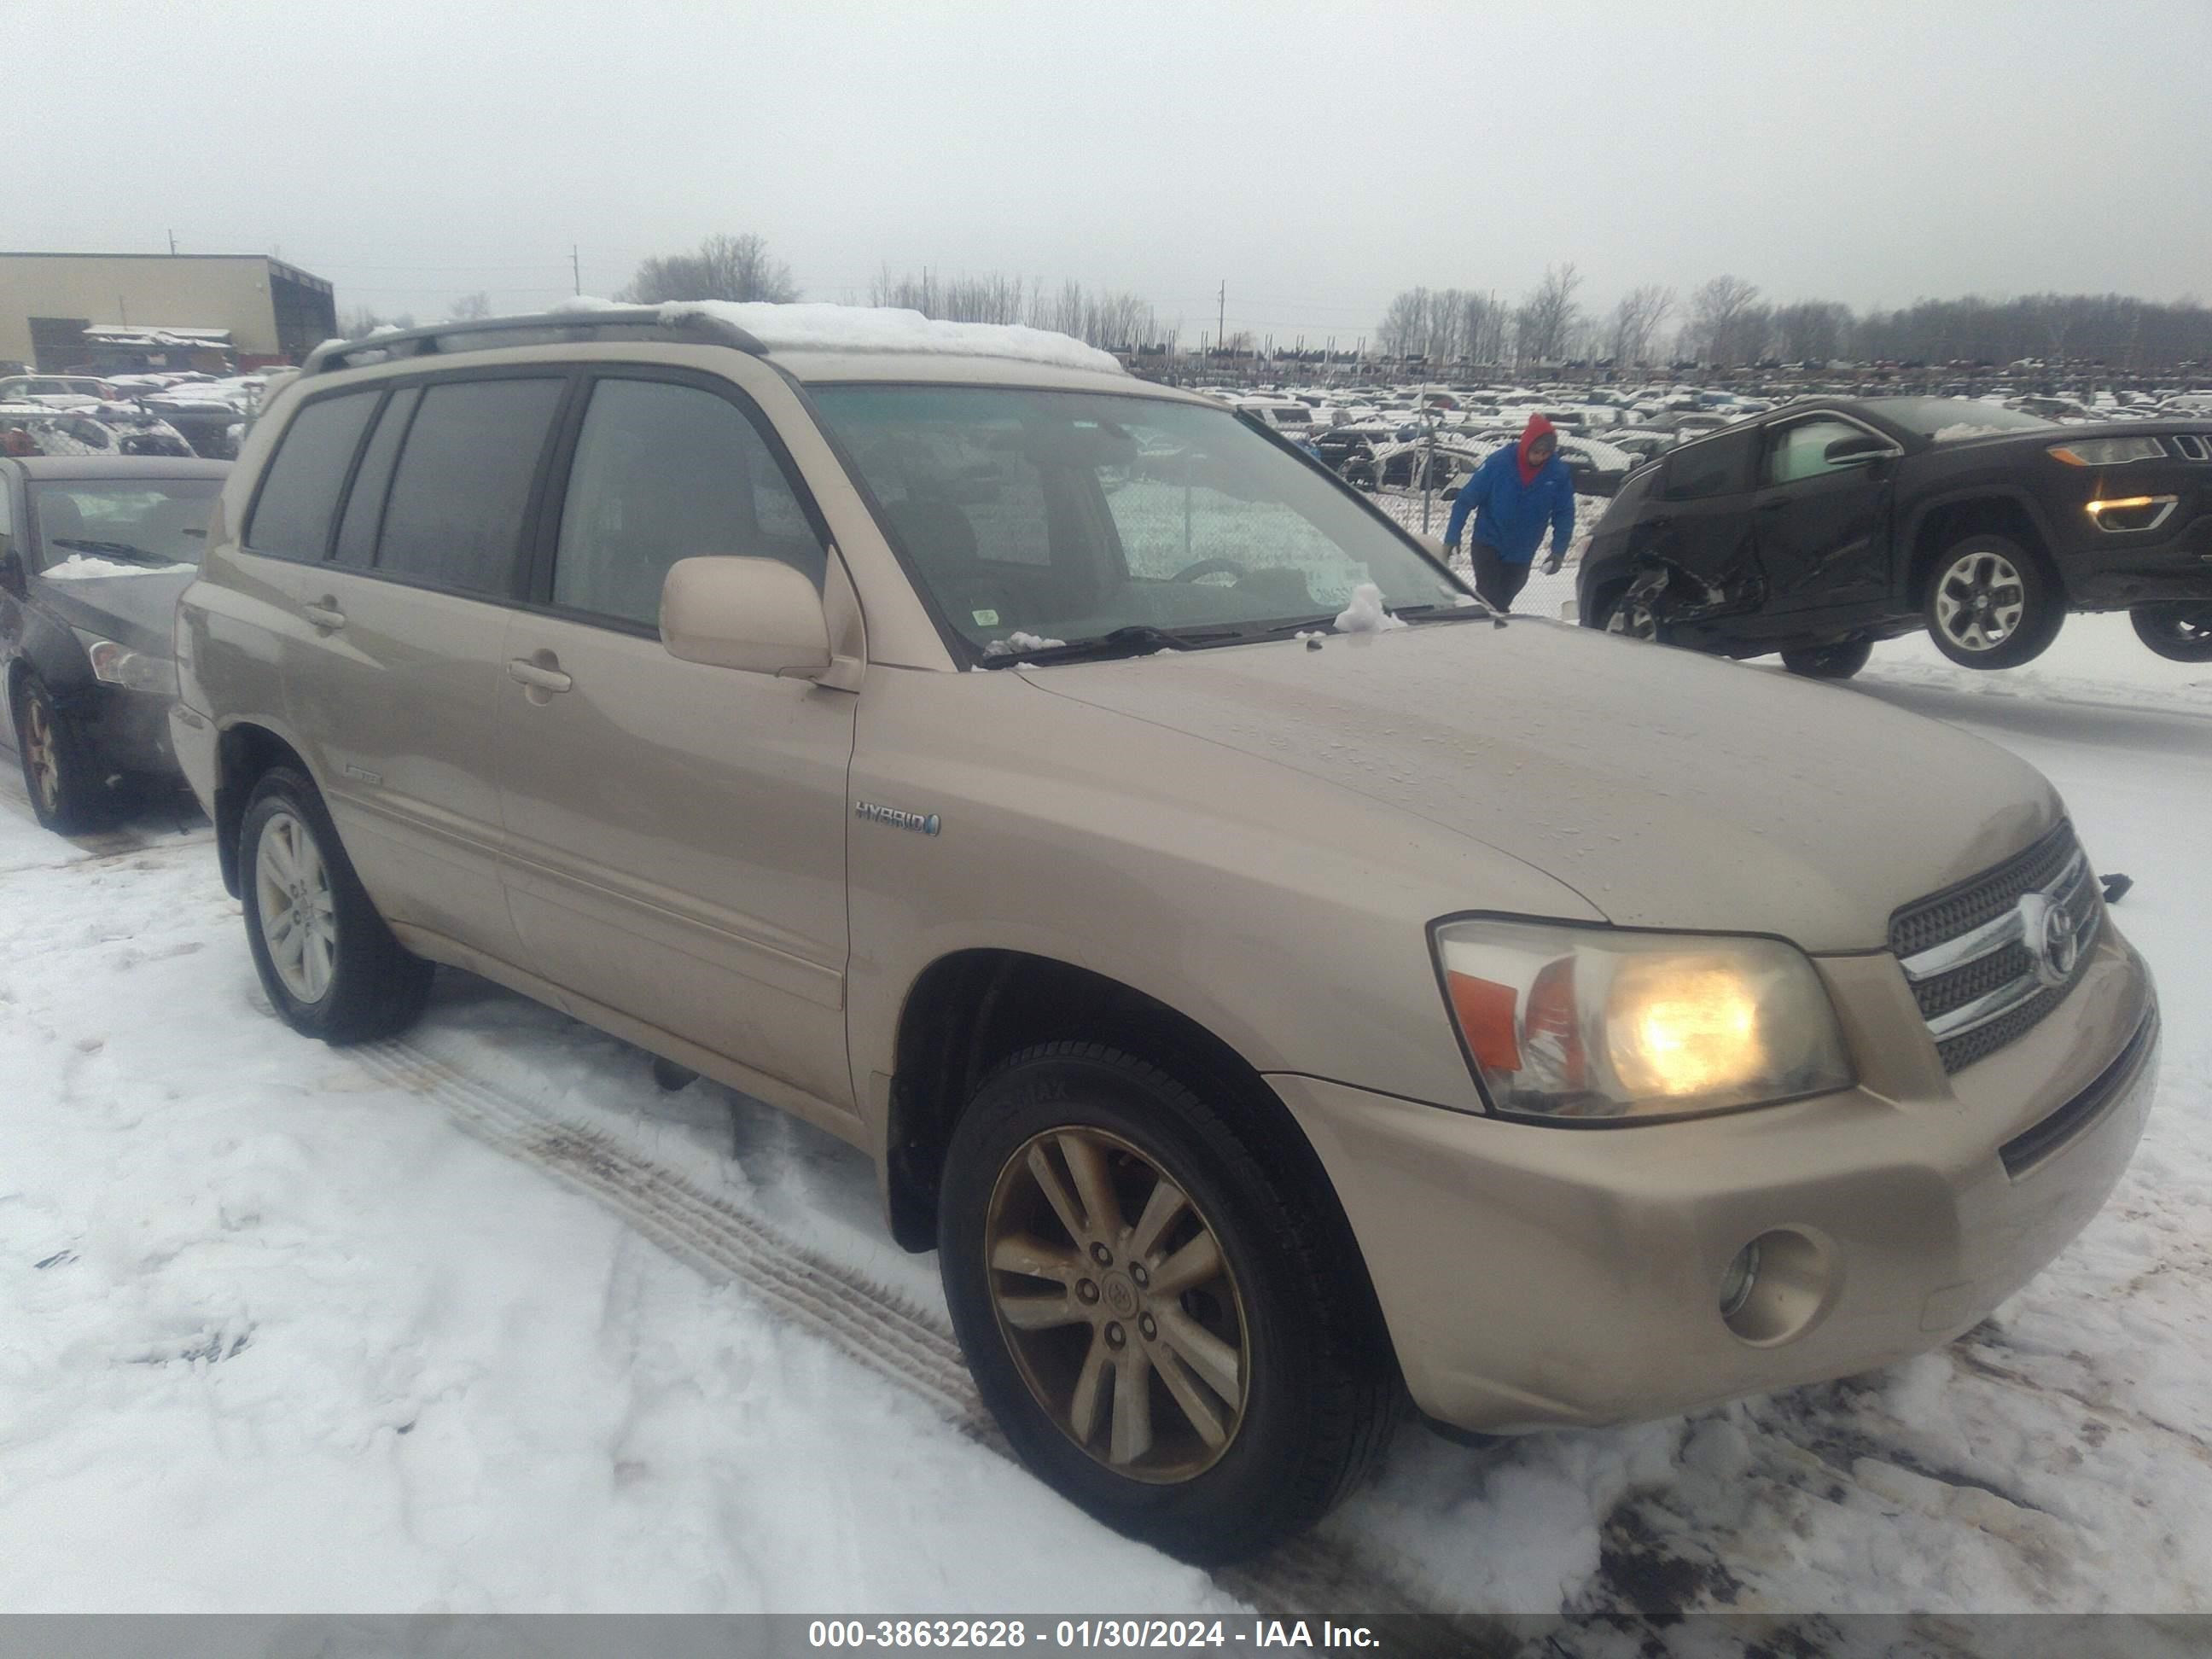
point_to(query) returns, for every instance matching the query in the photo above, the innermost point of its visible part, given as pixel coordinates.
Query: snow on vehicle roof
(871, 329)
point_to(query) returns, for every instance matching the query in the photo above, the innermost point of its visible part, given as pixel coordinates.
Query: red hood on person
(1538, 427)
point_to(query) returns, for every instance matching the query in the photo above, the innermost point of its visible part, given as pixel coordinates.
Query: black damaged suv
(1824, 527)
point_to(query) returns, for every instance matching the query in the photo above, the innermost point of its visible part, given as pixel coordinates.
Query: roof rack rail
(441, 338)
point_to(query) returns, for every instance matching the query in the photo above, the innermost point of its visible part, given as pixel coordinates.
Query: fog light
(1736, 1285)
(1780, 1286)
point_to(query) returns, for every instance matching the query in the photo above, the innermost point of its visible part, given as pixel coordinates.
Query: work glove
(1551, 565)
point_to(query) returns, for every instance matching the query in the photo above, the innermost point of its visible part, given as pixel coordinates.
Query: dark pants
(1494, 579)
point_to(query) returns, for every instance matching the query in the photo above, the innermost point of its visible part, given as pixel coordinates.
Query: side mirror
(11, 571)
(758, 615)
(1852, 451)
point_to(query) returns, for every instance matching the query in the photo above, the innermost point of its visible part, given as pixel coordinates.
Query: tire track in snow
(1312, 1577)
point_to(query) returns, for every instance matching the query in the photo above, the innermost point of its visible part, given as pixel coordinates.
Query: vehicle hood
(136, 611)
(1668, 789)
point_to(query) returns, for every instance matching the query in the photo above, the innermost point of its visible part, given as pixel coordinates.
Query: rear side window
(292, 515)
(1712, 466)
(454, 513)
(364, 509)
(664, 471)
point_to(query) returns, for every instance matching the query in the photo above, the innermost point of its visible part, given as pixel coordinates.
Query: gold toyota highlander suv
(1275, 985)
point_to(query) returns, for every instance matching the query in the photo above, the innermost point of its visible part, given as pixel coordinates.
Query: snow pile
(1365, 614)
(1018, 640)
(78, 567)
(818, 327)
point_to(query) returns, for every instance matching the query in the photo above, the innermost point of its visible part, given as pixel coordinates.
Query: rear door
(393, 680)
(675, 832)
(1701, 521)
(1821, 526)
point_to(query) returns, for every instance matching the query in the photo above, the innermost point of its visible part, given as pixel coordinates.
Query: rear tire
(331, 967)
(1290, 1396)
(1837, 661)
(2179, 632)
(60, 774)
(1990, 603)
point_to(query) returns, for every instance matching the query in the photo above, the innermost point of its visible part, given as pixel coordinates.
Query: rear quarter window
(292, 515)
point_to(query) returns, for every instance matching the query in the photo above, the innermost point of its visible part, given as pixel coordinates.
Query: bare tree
(1546, 320)
(470, 306)
(1811, 330)
(1636, 322)
(724, 268)
(1728, 325)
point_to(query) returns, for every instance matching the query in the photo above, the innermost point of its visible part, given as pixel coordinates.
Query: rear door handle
(326, 615)
(542, 679)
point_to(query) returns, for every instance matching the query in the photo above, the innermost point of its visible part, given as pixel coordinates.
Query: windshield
(144, 522)
(1932, 417)
(1037, 518)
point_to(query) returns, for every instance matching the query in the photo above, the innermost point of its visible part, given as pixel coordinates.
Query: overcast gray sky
(1319, 158)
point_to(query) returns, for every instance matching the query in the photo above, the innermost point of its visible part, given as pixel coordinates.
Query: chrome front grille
(1990, 958)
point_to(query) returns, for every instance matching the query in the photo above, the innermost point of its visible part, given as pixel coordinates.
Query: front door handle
(538, 678)
(326, 615)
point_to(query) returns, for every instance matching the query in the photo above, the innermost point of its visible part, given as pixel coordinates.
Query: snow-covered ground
(481, 1319)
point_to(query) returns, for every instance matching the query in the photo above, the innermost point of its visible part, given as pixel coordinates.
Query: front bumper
(1535, 1276)
(128, 730)
(2111, 572)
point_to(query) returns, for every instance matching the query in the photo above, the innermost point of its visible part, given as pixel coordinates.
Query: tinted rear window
(454, 514)
(292, 517)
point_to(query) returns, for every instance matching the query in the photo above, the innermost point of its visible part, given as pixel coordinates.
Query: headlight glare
(1593, 1023)
(2109, 451)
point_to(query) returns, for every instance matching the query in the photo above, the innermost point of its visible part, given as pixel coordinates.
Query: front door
(1822, 526)
(675, 832)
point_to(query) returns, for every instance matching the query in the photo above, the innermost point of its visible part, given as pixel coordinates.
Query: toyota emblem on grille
(2053, 934)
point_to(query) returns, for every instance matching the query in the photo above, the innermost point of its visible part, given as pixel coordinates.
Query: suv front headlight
(1596, 1024)
(2109, 451)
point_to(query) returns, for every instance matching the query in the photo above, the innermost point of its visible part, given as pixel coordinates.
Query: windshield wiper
(1452, 612)
(122, 549)
(1137, 640)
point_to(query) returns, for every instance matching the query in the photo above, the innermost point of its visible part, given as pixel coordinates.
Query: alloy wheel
(1115, 1296)
(1634, 618)
(298, 913)
(40, 759)
(1980, 601)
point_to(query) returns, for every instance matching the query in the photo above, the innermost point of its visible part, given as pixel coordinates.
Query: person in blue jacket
(1516, 495)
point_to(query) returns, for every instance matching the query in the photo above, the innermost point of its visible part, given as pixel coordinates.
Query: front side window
(292, 515)
(454, 514)
(1800, 450)
(1068, 515)
(666, 472)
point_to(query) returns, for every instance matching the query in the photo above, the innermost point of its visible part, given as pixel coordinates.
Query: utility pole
(1221, 320)
(173, 244)
(576, 267)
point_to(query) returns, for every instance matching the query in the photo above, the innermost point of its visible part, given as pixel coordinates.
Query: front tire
(329, 964)
(1992, 604)
(60, 773)
(1633, 612)
(1152, 1309)
(1835, 661)
(2180, 632)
